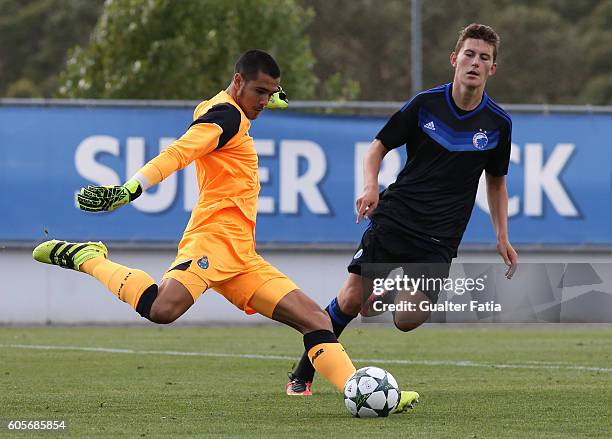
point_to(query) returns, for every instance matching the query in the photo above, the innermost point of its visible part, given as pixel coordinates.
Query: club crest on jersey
(203, 262)
(480, 140)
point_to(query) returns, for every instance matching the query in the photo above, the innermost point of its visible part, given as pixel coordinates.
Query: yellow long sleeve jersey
(226, 163)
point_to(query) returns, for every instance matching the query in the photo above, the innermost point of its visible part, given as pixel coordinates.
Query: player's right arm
(368, 201)
(206, 134)
(398, 130)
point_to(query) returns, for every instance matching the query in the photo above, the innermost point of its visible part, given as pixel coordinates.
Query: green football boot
(68, 254)
(406, 401)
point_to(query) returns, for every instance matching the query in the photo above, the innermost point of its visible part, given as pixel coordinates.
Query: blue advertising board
(559, 182)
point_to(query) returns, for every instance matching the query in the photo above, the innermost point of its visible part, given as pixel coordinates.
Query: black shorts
(382, 250)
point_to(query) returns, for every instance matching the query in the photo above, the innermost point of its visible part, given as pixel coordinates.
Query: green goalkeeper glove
(107, 198)
(278, 100)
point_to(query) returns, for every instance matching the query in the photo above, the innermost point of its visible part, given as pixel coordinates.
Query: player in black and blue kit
(452, 134)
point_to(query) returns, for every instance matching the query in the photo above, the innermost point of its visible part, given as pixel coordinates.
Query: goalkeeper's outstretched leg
(168, 301)
(162, 303)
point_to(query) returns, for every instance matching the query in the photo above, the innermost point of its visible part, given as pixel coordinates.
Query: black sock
(146, 301)
(340, 320)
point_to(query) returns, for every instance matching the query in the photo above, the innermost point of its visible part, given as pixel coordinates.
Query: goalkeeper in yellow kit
(217, 249)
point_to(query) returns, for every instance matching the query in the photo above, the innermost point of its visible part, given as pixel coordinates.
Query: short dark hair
(479, 32)
(254, 61)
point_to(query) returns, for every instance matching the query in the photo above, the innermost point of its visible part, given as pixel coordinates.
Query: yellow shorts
(259, 283)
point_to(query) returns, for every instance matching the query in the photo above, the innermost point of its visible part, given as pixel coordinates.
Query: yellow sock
(331, 361)
(127, 284)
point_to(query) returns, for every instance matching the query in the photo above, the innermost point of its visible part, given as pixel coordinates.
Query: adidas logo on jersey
(430, 126)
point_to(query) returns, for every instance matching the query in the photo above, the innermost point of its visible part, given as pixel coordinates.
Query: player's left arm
(497, 196)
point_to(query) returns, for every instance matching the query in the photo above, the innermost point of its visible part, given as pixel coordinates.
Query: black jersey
(447, 150)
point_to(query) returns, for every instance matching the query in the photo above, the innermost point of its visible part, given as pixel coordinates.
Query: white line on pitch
(466, 363)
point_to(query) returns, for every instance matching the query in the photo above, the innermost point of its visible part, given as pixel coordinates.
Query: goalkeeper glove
(278, 100)
(107, 198)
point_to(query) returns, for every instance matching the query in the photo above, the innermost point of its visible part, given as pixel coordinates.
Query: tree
(34, 38)
(164, 49)
(362, 45)
(533, 61)
(595, 45)
(552, 51)
(539, 58)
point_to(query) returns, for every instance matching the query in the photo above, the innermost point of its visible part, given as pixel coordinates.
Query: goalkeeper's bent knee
(146, 302)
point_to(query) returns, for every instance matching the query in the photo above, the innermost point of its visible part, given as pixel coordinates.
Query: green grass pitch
(475, 382)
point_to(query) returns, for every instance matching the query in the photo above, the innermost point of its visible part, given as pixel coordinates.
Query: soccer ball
(371, 392)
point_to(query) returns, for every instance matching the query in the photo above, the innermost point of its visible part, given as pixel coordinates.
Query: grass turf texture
(153, 395)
